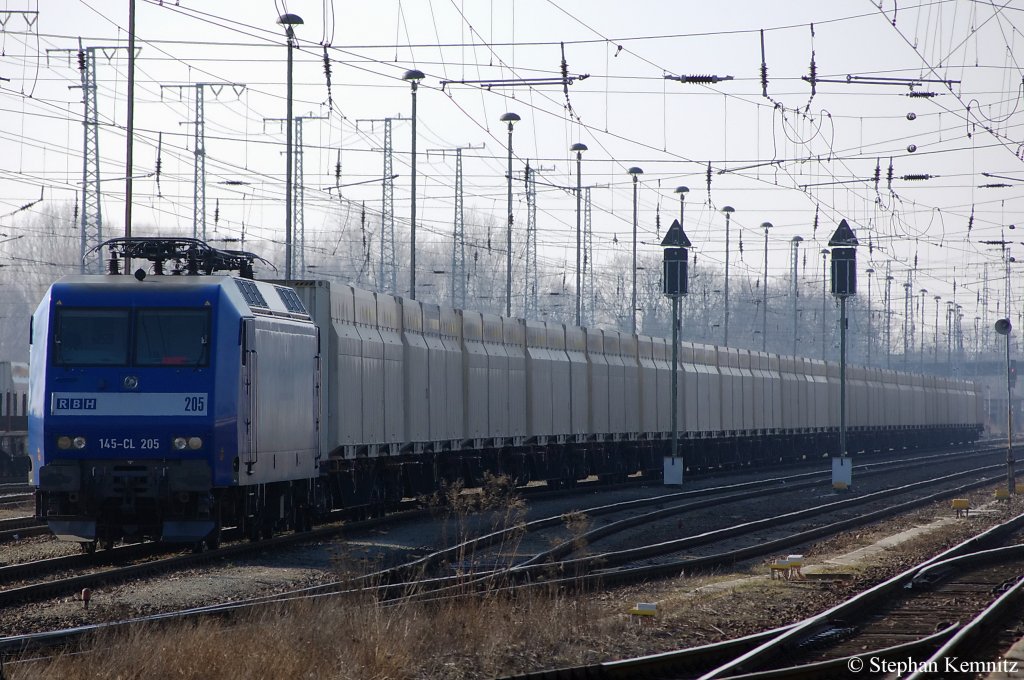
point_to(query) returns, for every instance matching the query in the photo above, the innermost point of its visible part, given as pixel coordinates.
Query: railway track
(865, 627)
(434, 588)
(389, 586)
(151, 553)
(14, 528)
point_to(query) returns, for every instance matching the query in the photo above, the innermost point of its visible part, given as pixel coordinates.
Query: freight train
(168, 405)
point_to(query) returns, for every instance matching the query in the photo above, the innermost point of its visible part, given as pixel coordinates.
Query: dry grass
(357, 637)
(482, 637)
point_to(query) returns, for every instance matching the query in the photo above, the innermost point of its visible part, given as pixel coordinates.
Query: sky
(911, 174)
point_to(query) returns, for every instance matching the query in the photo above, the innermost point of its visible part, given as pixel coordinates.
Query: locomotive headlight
(78, 442)
(180, 443)
(195, 443)
(64, 443)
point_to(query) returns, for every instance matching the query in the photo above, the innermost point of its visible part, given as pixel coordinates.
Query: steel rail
(759, 656)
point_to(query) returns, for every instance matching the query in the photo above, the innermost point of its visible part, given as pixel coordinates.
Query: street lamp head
(578, 147)
(1003, 327)
(869, 271)
(767, 225)
(797, 239)
(510, 118)
(938, 297)
(414, 75)
(289, 20)
(682, 191)
(824, 252)
(635, 171)
(728, 210)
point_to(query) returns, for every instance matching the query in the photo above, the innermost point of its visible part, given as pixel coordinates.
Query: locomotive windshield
(103, 337)
(91, 337)
(171, 337)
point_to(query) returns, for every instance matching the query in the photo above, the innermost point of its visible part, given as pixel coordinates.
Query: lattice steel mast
(530, 291)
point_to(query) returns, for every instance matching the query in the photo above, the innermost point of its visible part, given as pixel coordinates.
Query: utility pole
(91, 222)
(923, 292)
(588, 263)
(824, 285)
(298, 186)
(530, 302)
(199, 147)
(530, 290)
(764, 291)
(888, 314)
(458, 292)
(728, 211)
(907, 321)
(387, 279)
(795, 242)
(870, 273)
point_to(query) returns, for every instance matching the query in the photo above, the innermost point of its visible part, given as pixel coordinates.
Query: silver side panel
(416, 374)
(597, 379)
(616, 383)
(371, 351)
(561, 380)
(437, 384)
(474, 366)
(497, 377)
(576, 351)
(538, 380)
(630, 361)
(514, 335)
(690, 405)
(332, 306)
(648, 384)
(731, 402)
(663, 371)
(748, 386)
(389, 326)
(451, 338)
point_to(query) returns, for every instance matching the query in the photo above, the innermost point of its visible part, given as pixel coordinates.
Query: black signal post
(674, 285)
(844, 284)
(1003, 327)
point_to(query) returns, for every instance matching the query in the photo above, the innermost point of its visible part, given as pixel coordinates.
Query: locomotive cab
(145, 417)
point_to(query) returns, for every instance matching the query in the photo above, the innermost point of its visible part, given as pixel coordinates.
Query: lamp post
(728, 211)
(795, 242)
(414, 77)
(923, 292)
(824, 283)
(675, 285)
(907, 323)
(888, 318)
(935, 342)
(869, 271)
(509, 118)
(1003, 327)
(844, 284)
(288, 21)
(764, 291)
(635, 172)
(579, 148)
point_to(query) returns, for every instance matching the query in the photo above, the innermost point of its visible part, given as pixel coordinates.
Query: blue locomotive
(169, 405)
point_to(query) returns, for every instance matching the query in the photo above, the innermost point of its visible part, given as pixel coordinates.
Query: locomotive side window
(91, 337)
(172, 337)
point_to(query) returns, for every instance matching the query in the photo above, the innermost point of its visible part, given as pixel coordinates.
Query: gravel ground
(314, 564)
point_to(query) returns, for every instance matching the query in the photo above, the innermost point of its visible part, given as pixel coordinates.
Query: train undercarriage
(102, 502)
